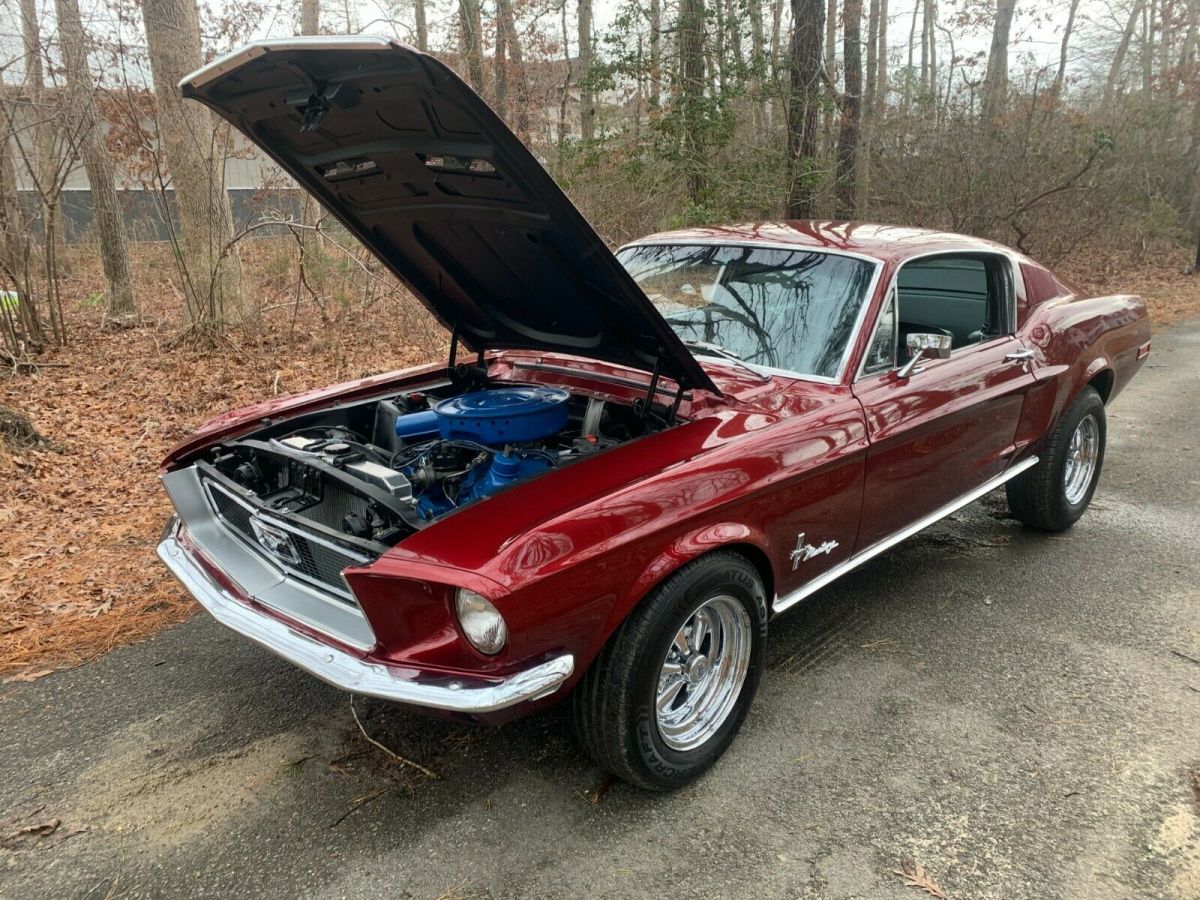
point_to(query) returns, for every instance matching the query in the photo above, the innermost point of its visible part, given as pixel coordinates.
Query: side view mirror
(924, 346)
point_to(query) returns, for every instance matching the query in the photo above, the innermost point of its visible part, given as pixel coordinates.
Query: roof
(885, 242)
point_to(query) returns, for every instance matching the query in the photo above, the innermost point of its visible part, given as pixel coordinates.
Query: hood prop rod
(653, 389)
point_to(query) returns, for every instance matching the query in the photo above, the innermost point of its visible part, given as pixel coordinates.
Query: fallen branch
(359, 803)
(394, 755)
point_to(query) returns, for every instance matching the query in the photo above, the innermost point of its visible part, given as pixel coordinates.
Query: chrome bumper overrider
(349, 672)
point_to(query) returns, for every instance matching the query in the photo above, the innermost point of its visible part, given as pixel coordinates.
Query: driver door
(949, 427)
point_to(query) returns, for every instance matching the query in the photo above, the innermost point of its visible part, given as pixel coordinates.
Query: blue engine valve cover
(509, 415)
(412, 426)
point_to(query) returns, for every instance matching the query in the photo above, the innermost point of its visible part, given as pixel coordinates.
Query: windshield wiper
(718, 350)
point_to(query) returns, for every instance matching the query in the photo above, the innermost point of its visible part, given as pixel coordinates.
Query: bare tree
(208, 258)
(1061, 73)
(21, 327)
(43, 151)
(995, 83)
(691, 99)
(470, 41)
(506, 35)
(852, 104)
(804, 104)
(310, 238)
(422, 26)
(587, 99)
(881, 85)
(656, 53)
(1118, 60)
(110, 221)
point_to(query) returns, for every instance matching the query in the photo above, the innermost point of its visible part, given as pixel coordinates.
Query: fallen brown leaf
(914, 875)
(42, 829)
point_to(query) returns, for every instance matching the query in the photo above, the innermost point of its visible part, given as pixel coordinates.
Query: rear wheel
(671, 688)
(1052, 495)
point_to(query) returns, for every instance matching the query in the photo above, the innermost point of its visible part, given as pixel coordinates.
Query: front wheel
(671, 688)
(1052, 495)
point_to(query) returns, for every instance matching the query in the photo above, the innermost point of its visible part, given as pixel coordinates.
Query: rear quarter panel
(1075, 339)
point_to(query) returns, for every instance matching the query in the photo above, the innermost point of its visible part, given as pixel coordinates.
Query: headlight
(481, 621)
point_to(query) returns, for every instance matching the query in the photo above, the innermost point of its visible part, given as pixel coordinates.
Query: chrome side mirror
(924, 346)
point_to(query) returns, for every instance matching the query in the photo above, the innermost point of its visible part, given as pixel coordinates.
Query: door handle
(1019, 356)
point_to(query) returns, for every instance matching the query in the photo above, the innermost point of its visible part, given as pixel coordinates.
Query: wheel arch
(724, 537)
(1103, 381)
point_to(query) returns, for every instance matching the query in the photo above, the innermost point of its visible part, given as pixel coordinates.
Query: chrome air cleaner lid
(508, 415)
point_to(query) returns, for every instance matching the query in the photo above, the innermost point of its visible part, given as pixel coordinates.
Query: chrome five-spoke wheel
(673, 685)
(1082, 453)
(703, 672)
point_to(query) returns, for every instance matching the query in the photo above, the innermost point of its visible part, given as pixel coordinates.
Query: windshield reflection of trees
(780, 308)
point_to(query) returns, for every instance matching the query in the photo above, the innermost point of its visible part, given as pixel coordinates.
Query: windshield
(786, 309)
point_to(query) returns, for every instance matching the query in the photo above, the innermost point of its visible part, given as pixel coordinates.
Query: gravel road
(1017, 714)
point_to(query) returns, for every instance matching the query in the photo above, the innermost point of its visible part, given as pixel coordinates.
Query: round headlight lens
(481, 622)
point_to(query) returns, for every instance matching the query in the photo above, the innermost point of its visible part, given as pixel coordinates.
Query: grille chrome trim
(258, 575)
(334, 583)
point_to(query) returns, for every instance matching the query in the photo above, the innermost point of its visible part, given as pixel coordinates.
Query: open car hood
(414, 163)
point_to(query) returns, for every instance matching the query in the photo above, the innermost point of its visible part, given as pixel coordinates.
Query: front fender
(683, 549)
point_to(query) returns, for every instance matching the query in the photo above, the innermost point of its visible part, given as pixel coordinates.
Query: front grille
(320, 561)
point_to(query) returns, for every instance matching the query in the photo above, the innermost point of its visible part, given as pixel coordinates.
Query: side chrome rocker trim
(350, 673)
(787, 602)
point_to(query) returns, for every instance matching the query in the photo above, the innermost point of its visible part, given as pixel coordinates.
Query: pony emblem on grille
(275, 541)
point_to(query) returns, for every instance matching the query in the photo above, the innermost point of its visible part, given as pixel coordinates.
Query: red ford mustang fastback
(629, 462)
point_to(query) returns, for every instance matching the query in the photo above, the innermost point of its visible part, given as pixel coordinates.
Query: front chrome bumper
(352, 673)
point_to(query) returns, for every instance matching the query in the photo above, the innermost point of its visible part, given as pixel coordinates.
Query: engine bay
(373, 472)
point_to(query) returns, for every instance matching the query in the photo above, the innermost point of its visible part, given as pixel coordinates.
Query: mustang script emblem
(275, 541)
(804, 552)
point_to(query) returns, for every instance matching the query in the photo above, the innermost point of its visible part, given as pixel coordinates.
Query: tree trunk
(310, 240)
(565, 94)
(1061, 74)
(804, 103)
(500, 71)
(16, 252)
(872, 72)
(506, 25)
(851, 126)
(1114, 71)
(1187, 52)
(779, 66)
(587, 100)
(422, 26)
(930, 21)
(1148, 20)
(110, 223)
(995, 82)
(209, 261)
(655, 53)
(912, 40)
(758, 109)
(691, 65)
(870, 105)
(46, 171)
(470, 42)
(831, 13)
(881, 86)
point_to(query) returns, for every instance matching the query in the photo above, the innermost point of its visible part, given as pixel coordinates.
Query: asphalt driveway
(1017, 714)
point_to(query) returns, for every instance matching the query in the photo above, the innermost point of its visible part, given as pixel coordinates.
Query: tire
(614, 705)
(1052, 495)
